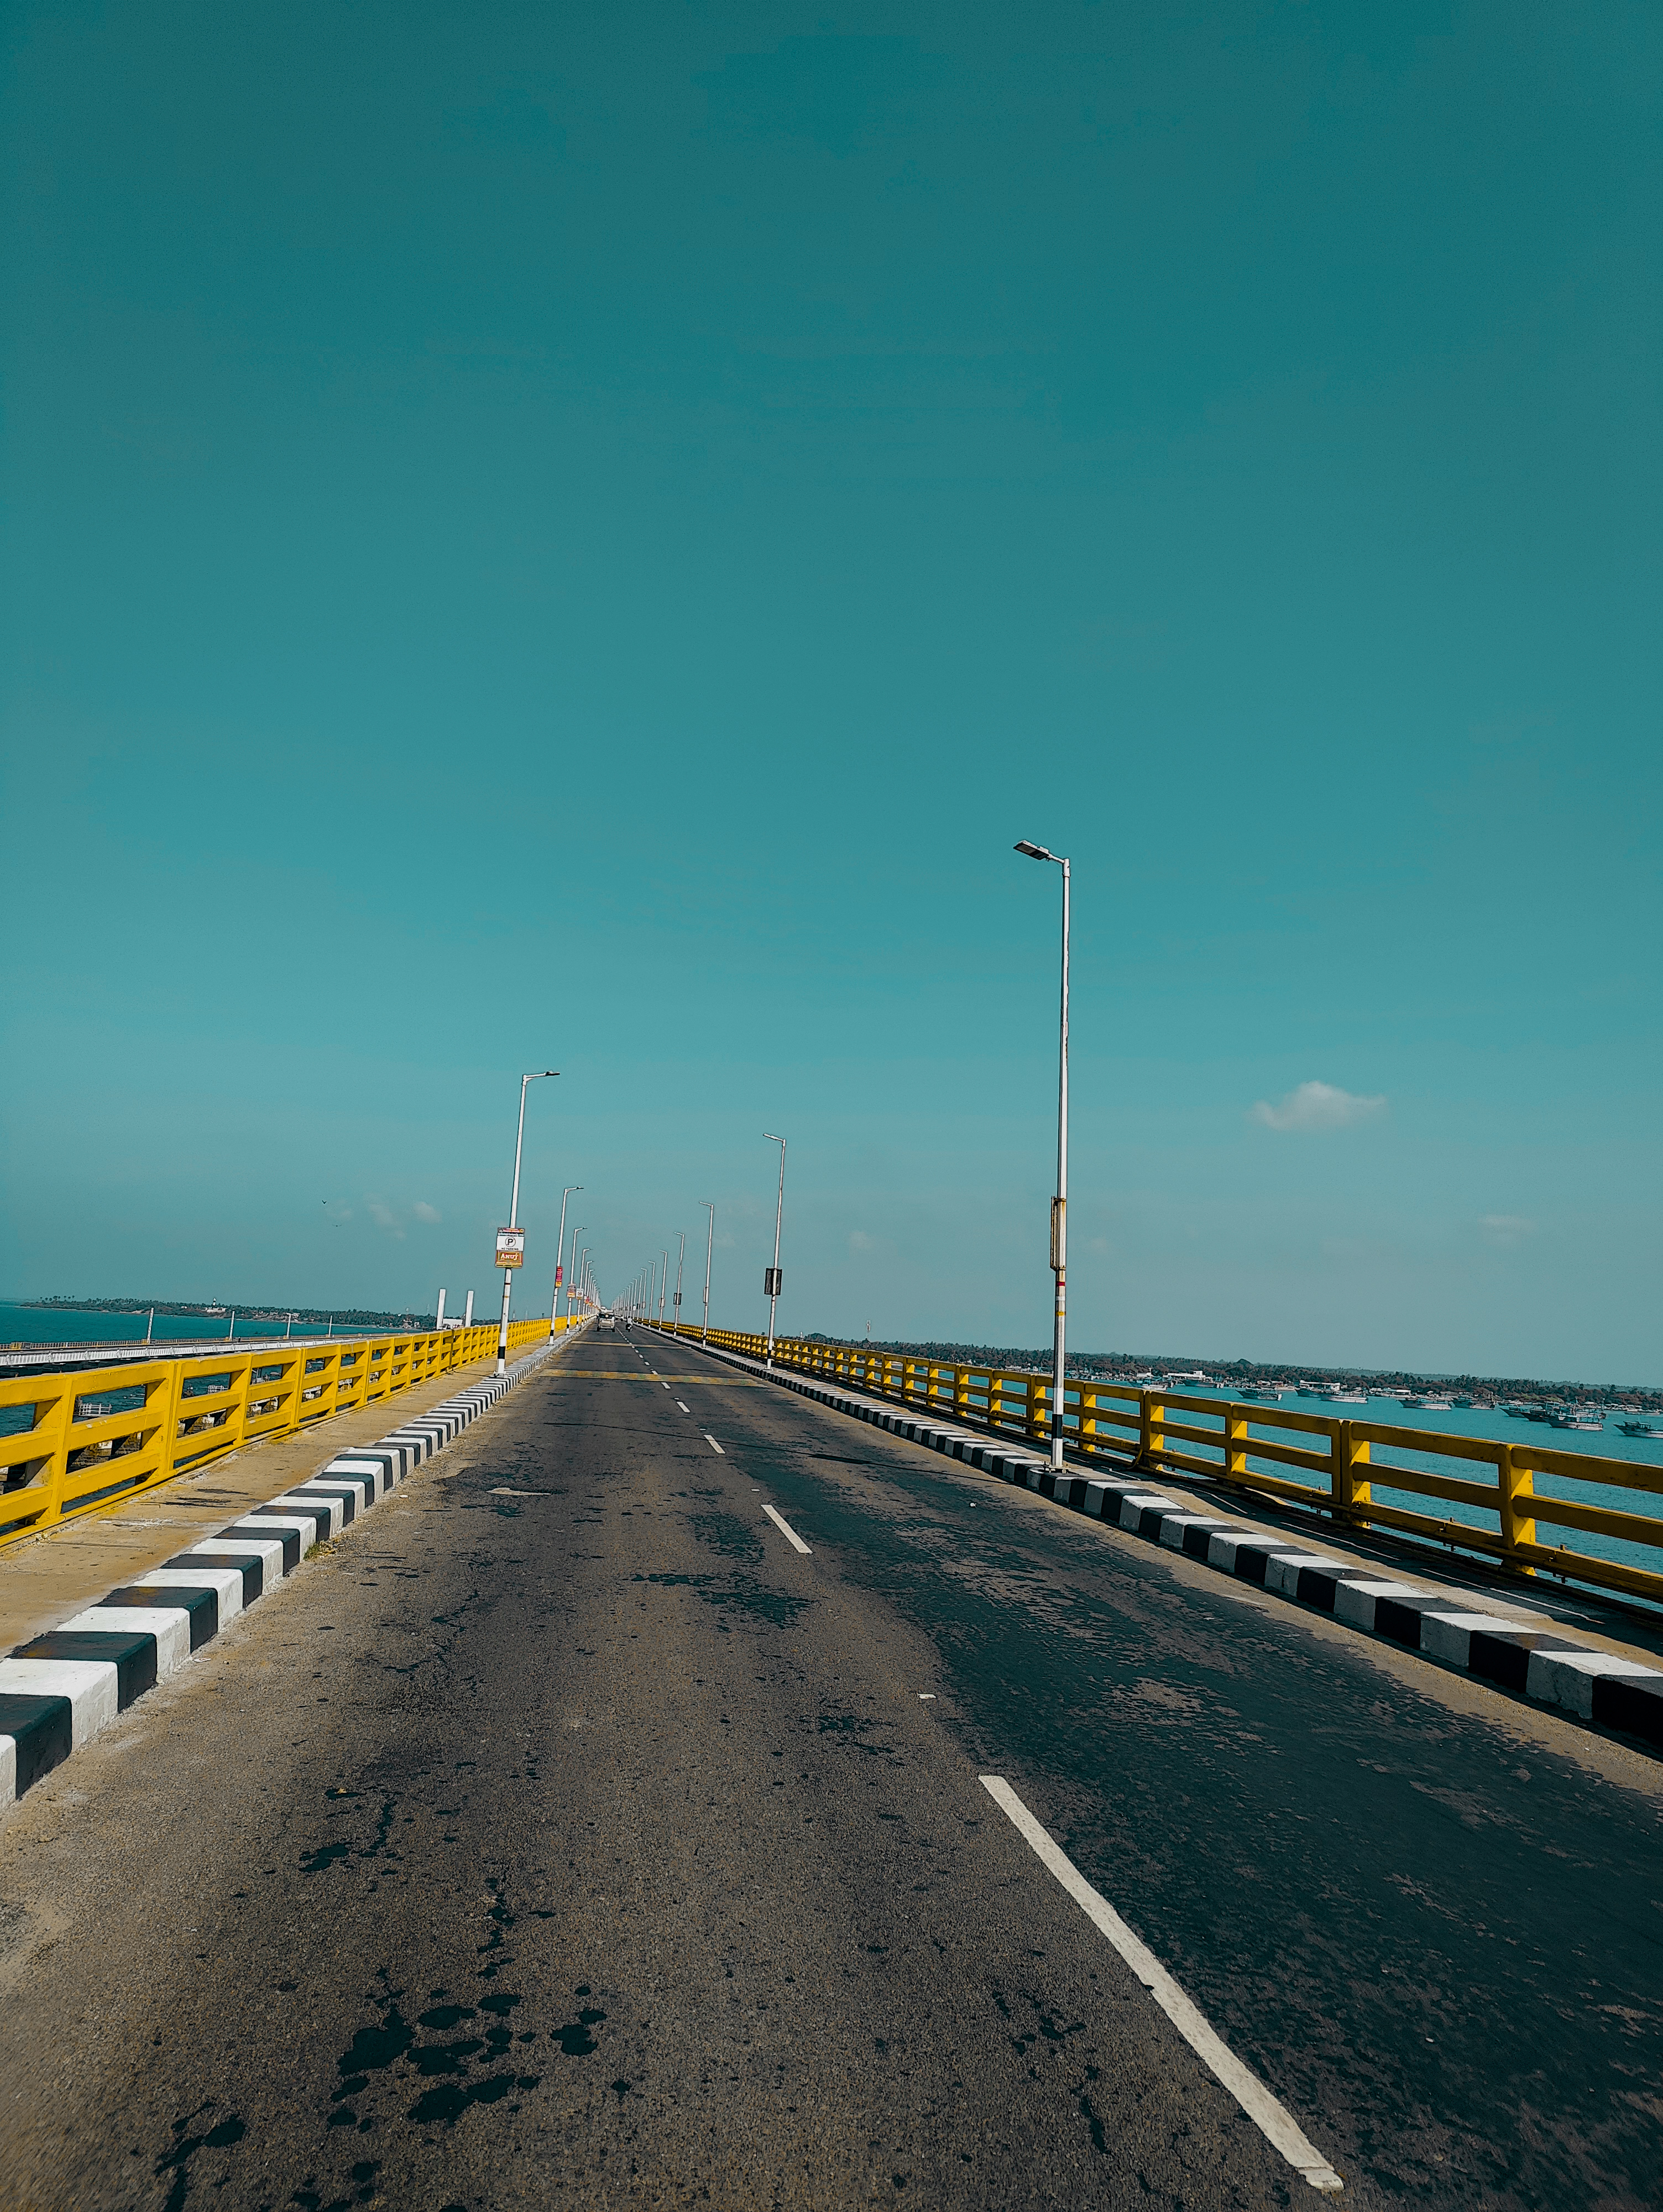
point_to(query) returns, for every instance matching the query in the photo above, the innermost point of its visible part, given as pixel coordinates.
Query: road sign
(559, 1276)
(510, 1248)
(773, 1280)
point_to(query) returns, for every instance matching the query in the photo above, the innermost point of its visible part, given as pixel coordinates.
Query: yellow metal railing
(101, 1433)
(1311, 1460)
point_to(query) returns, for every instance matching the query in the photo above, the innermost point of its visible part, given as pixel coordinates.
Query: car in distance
(604, 1320)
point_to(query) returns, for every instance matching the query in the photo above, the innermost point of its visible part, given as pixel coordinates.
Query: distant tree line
(358, 1317)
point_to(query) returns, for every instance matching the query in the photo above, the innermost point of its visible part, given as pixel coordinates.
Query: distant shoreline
(359, 1317)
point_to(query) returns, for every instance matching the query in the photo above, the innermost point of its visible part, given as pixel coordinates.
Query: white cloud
(423, 1212)
(383, 1216)
(858, 1241)
(1317, 1106)
(1505, 1230)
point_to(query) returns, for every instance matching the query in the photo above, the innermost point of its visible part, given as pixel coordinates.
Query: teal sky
(552, 538)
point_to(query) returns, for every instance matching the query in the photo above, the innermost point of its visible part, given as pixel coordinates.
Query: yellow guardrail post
(1350, 1494)
(1516, 1483)
(1088, 1436)
(1235, 1443)
(1152, 1427)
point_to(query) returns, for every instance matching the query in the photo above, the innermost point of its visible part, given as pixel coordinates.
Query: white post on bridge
(467, 1312)
(681, 1255)
(710, 1239)
(560, 1254)
(513, 1216)
(439, 1318)
(773, 1279)
(1059, 1203)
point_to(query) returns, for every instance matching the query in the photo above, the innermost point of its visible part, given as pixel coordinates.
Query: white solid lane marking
(712, 1442)
(682, 1408)
(1274, 2122)
(785, 1529)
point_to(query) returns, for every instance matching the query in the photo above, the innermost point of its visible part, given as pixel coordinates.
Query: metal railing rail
(1311, 1460)
(95, 1434)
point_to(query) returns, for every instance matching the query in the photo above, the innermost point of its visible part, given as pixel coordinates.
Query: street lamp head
(772, 1139)
(1033, 852)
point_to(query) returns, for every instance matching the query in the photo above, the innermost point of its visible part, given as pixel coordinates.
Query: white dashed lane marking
(712, 1442)
(785, 1529)
(1273, 2120)
(682, 1408)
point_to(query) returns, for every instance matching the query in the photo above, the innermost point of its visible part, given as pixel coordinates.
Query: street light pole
(560, 1253)
(676, 1312)
(513, 1216)
(1059, 1203)
(663, 1280)
(710, 1240)
(775, 1277)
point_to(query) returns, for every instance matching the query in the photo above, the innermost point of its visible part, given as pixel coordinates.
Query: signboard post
(510, 1248)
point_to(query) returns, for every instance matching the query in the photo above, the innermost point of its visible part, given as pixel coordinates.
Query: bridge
(651, 1777)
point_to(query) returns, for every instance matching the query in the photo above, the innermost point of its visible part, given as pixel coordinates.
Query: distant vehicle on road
(605, 1320)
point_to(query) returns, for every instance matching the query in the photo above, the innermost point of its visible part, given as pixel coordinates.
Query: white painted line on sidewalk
(785, 1529)
(681, 1408)
(712, 1442)
(1274, 2122)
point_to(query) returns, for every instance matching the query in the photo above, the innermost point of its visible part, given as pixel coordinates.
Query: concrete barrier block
(1567, 1678)
(1449, 1636)
(170, 1626)
(1283, 1569)
(1358, 1600)
(1633, 1702)
(269, 1550)
(327, 1516)
(89, 1686)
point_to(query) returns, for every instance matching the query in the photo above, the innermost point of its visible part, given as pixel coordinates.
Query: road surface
(564, 1834)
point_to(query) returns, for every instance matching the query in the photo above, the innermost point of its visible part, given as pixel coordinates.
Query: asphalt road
(563, 1835)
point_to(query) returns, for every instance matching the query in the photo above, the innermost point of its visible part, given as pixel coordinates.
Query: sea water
(1644, 1454)
(34, 1325)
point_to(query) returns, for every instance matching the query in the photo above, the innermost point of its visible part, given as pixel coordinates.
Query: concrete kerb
(59, 1689)
(1461, 1630)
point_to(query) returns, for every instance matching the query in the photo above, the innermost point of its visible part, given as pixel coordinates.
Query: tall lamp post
(513, 1216)
(1059, 1203)
(664, 1277)
(710, 1239)
(771, 1276)
(560, 1254)
(681, 1255)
